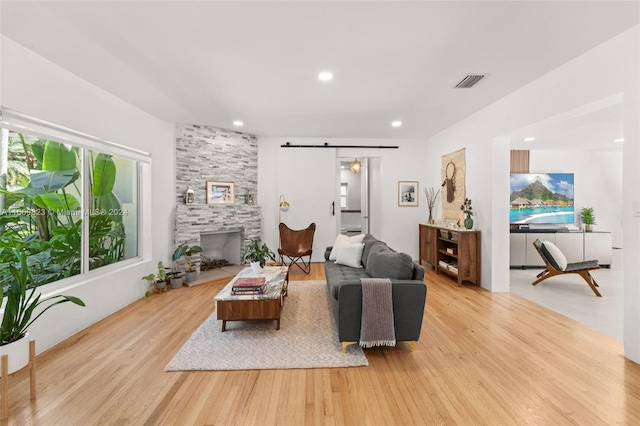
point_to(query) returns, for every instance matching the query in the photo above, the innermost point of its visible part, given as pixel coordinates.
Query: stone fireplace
(207, 153)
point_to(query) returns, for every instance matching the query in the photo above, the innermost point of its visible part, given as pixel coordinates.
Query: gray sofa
(379, 261)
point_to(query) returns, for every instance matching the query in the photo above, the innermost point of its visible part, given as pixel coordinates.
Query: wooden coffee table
(267, 306)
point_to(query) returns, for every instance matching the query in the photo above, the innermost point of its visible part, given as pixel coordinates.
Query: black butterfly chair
(296, 245)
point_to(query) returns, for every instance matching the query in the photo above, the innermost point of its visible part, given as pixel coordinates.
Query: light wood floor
(483, 358)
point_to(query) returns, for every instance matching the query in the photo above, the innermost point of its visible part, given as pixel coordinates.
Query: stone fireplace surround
(207, 153)
(192, 221)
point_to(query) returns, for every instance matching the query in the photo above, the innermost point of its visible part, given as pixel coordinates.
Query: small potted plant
(588, 218)
(258, 254)
(157, 281)
(21, 302)
(191, 273)
(176, 279)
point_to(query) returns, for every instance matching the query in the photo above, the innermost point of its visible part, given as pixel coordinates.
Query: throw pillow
(342, 241)
(383, 262)
(351, 255)
(556, 254)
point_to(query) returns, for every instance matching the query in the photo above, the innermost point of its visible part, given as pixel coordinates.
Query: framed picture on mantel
(408, 193)
(221, 192)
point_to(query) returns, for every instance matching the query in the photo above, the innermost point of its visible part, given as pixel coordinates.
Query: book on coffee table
(248, 285)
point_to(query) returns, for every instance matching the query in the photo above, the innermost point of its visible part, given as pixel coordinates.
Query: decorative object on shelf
(283, 206)
(356, 166)
(408, 193)
(249, 198)
(221, 192)
(189, 196)
(588, 218)
(432, 197)
(467, 209)
(257, 254)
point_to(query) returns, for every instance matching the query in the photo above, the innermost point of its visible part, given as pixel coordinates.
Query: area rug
(307, 339)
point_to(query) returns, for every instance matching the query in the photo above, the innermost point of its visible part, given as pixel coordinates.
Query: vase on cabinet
(468, 222)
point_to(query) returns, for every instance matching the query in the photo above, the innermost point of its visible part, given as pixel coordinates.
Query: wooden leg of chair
(587, 277)
(4, 391)
(542, 276)
(32, 368)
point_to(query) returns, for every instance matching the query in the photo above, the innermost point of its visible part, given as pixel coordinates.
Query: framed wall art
(221, 192)
(407, 193)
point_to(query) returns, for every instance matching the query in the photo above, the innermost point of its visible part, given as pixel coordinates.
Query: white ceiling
(212, 62)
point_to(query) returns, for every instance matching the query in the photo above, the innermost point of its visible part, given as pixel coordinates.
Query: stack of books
(248, 285)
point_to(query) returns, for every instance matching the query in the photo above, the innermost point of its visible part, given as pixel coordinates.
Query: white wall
(398, 226)
(597, 183)
(32, 85)
(607, 70)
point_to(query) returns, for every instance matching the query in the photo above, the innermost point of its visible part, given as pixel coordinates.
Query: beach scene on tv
(541, 198)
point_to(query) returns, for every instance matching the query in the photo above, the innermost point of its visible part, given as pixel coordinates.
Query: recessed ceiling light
(619, 140)
(396, 123)
(325, 76)
(238, 123)
(529, 139)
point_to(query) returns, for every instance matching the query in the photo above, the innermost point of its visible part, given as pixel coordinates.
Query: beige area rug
(307, 339)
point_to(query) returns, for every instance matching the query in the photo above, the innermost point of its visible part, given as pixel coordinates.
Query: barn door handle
(333, 208)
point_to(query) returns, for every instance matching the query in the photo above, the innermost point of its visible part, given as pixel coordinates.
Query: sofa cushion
(343, 241)
(369, 240)
(338, 275)
(351, 255)
(383, 262)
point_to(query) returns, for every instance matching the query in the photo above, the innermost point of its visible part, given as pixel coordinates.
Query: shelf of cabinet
(434, 242)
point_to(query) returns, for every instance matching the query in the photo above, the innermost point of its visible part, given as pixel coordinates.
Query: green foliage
(22, 303)
(186, 250)
(255, 252)
(587, 216)
(155, 279)
(42, 209)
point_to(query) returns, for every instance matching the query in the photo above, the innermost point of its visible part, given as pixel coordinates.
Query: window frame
(18, 122)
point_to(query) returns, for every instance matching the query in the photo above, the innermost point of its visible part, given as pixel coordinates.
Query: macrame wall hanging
(454, 169)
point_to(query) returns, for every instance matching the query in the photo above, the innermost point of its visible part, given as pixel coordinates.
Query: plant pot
(17, 353)
(177, 282)
(161, 284)
(191, 276)
(255, 266)
(588, 228)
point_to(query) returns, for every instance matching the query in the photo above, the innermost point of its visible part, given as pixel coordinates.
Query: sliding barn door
(307, 179)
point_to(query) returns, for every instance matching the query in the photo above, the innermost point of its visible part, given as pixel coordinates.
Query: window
(343, 196)
(72, 206)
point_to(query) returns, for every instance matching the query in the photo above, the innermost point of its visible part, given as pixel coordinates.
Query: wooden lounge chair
(553, 269)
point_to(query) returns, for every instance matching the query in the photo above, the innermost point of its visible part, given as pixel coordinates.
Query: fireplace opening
(222, 245)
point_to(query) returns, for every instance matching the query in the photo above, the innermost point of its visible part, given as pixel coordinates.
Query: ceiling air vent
(469, 81)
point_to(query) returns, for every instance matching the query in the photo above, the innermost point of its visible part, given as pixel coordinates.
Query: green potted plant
(191, 273)
(21, 303)
(257, 254)
(157, 281)
(588, 218)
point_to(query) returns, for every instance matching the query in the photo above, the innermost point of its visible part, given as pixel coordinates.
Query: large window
(72, 208)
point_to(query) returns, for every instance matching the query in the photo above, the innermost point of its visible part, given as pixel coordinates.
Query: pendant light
(356, 166)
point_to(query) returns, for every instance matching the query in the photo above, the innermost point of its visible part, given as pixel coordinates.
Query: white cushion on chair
(351, 255)
(344, 241)
(557, 254)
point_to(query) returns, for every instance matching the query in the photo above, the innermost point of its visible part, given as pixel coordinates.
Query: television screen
(541, 198)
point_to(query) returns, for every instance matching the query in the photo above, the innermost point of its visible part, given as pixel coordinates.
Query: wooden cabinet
(428, 247)
(452, 252)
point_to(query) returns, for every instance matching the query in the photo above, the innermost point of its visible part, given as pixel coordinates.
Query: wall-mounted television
(541, 198)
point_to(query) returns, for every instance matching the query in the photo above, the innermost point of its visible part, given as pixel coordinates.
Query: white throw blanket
(377, 328)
